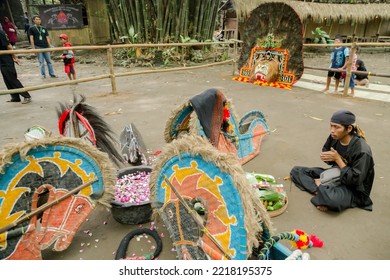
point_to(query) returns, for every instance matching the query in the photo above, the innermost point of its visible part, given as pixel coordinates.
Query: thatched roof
(318, 11)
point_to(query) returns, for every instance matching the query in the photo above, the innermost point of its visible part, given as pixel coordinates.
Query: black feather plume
(105, 137)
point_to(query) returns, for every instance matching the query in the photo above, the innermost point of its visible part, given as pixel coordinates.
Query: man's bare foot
(325, 90)
(322, 208)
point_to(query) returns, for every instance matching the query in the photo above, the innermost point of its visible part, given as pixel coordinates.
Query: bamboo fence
(111, 70)
(112, 75)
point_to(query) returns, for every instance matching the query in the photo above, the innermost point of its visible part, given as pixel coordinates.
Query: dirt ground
(299, 120)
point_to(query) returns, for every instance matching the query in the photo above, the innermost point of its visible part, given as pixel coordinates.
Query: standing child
(68, 57)
(339, 58)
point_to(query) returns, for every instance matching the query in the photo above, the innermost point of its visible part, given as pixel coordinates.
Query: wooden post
(112, 73)
(330, 28)
(378, 31)
(235, 45)
(349, 69)
(235, 57)
(354, 32)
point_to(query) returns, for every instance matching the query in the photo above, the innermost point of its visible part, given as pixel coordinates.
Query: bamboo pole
(13, 233)
(196, 17)
(133, 18)
(127, 20)
(379, 29)
(354, 32)
(115, 11)
(368, 44)
(145, 21)
(177, 15)
(349, 69)
(235, 57)
(159, 20)
(355, 72)
(206, 19)
(184, 23)
(173, 69)
(166, 23)
(201, 18)
(138, 10)
(46, 206)
(112, 72)
(214, 22)
(57, 84)
(155, 45)
(198, 220)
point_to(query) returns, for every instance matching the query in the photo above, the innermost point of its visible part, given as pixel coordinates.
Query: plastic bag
(330, 177)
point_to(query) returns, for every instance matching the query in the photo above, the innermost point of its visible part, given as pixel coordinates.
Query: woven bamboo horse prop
(191, 171)
(48, 188)
(209, 114)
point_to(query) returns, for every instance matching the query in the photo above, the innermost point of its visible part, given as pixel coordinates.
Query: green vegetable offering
(271, 194)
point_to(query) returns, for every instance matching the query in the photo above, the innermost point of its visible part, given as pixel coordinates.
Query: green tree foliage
(162, 21)
(320, 36)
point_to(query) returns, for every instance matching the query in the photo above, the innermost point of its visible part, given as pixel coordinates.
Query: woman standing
(10, 29)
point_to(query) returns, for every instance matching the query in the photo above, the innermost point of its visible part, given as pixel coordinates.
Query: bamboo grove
(162, 21)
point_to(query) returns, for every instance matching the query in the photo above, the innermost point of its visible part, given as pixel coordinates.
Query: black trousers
(335, 198)
(11, 81)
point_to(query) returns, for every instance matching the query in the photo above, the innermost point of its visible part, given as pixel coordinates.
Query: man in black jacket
(347, 149)
(7, 65)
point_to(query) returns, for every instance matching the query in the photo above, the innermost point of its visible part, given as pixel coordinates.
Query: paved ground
(298, 118)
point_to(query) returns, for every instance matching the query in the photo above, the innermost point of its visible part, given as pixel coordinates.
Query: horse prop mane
(81, 120)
